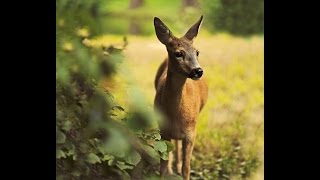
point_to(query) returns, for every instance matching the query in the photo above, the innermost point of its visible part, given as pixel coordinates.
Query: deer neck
(175, 84)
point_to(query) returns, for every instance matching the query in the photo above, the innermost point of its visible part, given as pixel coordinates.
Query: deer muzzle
(196, 73)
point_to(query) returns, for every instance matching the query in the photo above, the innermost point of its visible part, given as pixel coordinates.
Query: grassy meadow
(230, 128)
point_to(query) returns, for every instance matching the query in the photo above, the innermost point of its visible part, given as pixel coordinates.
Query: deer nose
(196, 73)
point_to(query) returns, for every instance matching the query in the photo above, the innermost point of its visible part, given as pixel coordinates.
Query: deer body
(181, 93)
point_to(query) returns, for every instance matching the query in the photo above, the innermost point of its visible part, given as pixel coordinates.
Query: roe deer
(180, 93)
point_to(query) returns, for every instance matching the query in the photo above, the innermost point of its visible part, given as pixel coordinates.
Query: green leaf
(60, 137)
(133, 158)
(76, 173)
(101, 148)
(67, 125)
(123, 166)
(165, 155)
(107, 157)
(160, 146)
(155, 157)
(92, 158)
(71, 150)
(117, 144)
(157, 136)
(170, 146)
(60, 154)
(111, 162)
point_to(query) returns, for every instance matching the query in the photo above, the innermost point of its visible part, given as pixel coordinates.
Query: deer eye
(197, 53)
(178, 54)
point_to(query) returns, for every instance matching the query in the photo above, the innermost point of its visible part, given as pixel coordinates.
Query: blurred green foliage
(95, 137)
(239, 17)
(121, 20)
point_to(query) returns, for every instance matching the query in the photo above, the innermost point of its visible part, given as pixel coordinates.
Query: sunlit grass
(233, 67)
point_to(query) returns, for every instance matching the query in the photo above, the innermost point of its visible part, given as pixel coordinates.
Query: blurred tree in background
(135, 4)
(240, 17)
(187, 3)
(95, 137)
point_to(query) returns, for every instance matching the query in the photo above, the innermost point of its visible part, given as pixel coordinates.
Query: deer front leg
(178, 163)
(170, 160)
(187, 148)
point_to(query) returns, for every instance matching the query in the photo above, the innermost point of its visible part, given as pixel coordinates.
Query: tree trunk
(135, 4)
(134, 27)
(94, 9)
(190, 3)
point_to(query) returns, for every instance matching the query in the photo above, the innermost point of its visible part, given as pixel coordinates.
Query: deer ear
(162, 31)
(193, 31)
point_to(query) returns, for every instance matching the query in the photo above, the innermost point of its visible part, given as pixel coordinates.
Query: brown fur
(179, 98)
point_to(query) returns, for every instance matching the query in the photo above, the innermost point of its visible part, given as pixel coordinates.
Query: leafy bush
(95, 137)
(240, 17)
(233, 163)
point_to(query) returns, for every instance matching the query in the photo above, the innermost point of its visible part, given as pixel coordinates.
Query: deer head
(183, 56)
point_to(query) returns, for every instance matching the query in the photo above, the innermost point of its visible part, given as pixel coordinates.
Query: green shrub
(240, 17)
(95, 137)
